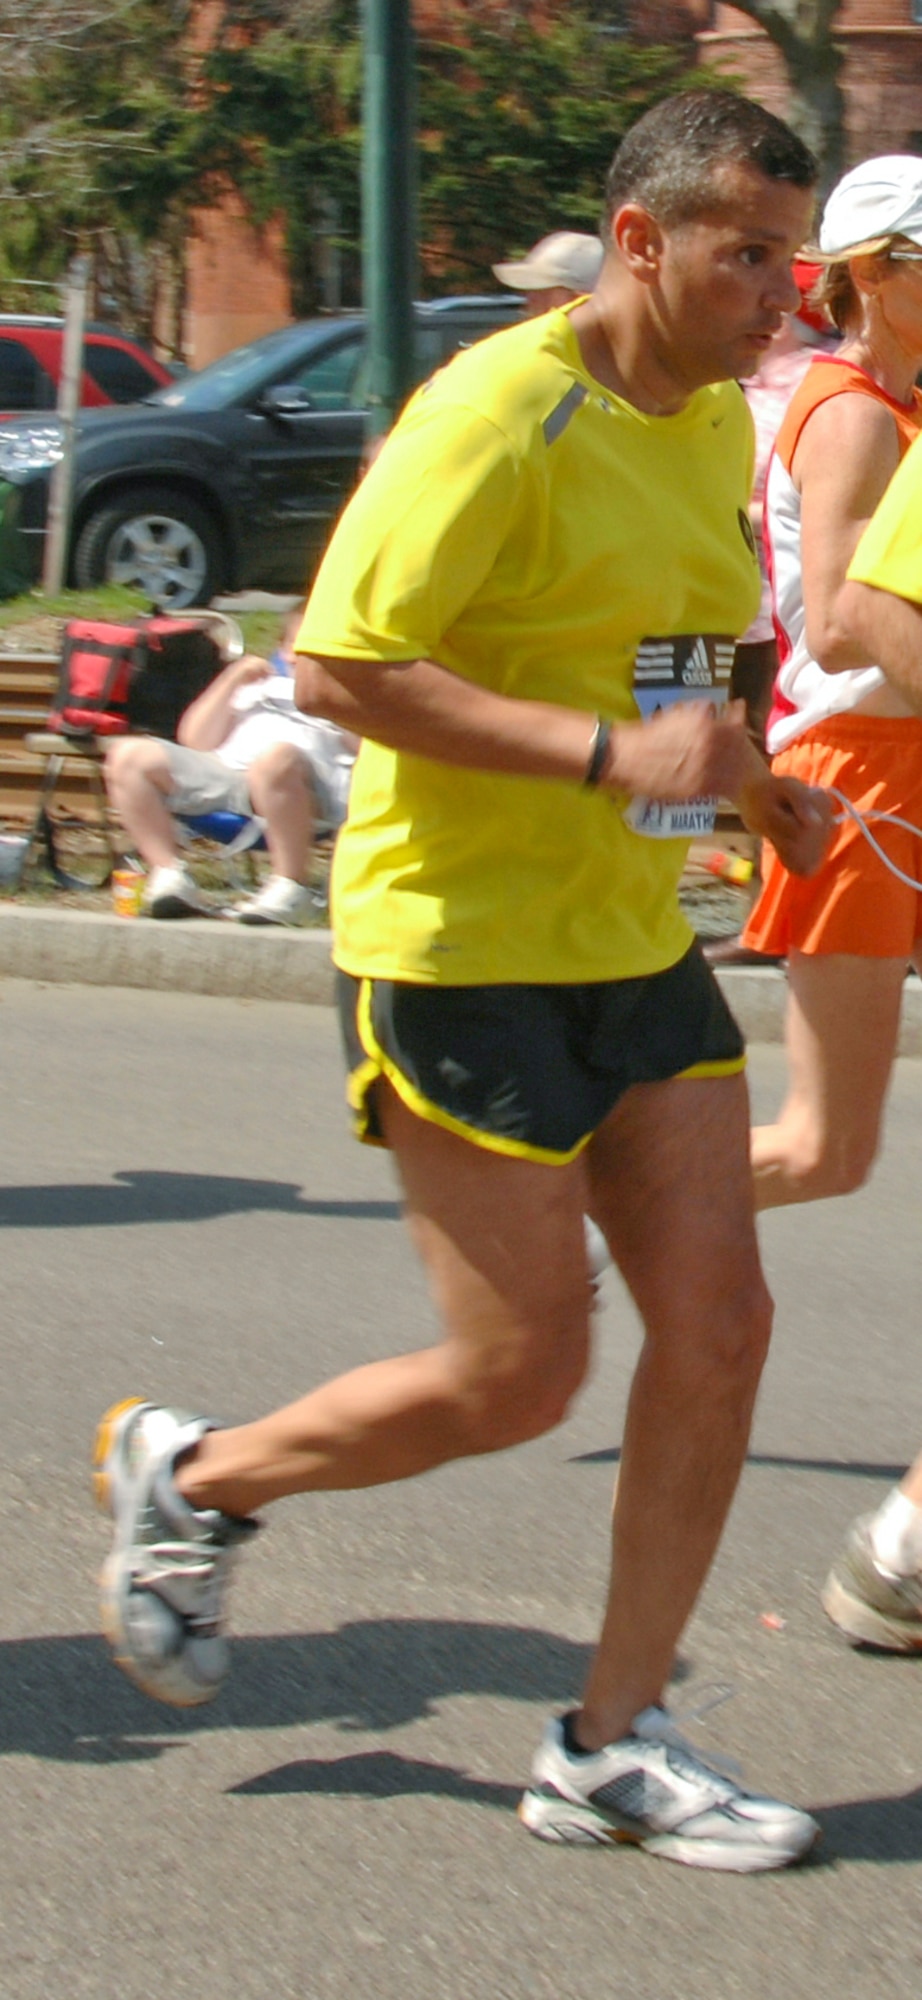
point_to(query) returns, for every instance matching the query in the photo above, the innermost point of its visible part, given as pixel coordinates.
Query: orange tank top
(832, 377)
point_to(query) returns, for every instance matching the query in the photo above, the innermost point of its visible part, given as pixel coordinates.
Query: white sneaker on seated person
(281, 901)
(174, 892)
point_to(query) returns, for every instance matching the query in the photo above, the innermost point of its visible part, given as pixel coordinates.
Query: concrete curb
(92, 948)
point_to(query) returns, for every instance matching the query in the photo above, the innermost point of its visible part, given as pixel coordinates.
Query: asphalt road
(185, 1217)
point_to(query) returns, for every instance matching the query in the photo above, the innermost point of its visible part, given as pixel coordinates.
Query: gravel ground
(714, 907)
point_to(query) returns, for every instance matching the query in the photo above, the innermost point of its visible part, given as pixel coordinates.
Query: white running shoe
(174, 892)
(652, 1790)
(598, 1258)
(280, 902)
(163, 1582)
(870, 1607)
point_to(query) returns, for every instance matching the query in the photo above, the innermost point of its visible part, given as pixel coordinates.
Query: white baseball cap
(566, 258)
(882, 197)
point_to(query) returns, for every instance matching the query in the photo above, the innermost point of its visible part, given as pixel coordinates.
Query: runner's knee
(823, 1164)
(504, 1405)
(725, 1341)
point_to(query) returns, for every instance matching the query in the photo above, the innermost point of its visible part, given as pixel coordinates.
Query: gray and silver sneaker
(162, 1585)
(652, 1790)
(870, 1607)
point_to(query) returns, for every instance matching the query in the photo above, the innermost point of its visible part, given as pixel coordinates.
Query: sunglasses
(905, 256)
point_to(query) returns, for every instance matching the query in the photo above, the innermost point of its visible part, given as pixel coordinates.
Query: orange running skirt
(853, 903)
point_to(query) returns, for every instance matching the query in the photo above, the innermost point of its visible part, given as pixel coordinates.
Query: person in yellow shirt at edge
(527, 613)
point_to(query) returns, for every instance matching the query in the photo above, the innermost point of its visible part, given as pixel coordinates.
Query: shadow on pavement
(378, 1774)
(856, 1468)
(883, 1829)
(62, 1698)
(170, 1197)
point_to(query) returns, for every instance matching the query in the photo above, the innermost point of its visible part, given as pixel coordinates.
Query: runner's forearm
(423, 708)
(890, 628)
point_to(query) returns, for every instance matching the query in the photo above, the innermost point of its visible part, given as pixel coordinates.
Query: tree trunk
(802, 32)
(816, 111)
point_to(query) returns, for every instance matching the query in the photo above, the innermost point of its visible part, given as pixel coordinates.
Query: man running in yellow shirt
(527, 613)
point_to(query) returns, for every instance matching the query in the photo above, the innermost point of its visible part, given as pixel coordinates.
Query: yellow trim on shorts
(381, 1064)
(727, 1066)
(358, 1084)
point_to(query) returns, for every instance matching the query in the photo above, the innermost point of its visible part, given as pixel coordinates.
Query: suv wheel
(156, 540)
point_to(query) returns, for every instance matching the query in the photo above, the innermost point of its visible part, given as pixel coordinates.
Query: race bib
(689, 668)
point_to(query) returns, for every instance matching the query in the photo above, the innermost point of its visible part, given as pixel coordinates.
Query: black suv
(231, 477)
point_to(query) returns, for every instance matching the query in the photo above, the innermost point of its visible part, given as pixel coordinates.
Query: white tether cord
(861, 821)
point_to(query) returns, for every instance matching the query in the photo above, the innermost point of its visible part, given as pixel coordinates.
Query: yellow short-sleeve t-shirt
(889, 554)
(528, 530)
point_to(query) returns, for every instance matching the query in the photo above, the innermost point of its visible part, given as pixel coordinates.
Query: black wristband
(598, 750)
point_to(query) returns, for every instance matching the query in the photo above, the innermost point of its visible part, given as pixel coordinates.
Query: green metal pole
(389, 207)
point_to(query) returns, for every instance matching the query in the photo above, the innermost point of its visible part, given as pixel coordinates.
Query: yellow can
(127, 890)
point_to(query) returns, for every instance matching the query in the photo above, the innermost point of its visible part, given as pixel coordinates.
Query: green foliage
(96, 141)
(517, 132)
(122, 128)
(281, 122)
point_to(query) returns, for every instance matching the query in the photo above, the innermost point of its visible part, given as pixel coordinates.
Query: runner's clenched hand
(689, 750)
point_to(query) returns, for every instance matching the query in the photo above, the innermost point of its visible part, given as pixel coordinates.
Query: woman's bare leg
(841, 1035)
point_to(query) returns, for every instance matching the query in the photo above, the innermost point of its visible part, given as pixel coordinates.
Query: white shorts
(203, 783)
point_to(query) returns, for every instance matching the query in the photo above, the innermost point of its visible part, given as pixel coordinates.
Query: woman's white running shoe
(652, 1790)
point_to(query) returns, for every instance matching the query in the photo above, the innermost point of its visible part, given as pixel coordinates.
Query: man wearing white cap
(560, 268)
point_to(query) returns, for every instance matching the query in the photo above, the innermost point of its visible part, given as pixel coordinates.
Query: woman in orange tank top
(848, 931)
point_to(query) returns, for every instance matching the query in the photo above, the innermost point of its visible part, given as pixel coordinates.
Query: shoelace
(861, 821)
(188, 1562)
(713, 1695)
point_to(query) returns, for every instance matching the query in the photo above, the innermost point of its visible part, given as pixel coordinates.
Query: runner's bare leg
(843, 1017)
(503, 1245)
(670, 1186)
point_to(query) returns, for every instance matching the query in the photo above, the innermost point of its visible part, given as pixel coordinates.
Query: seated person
(243, 747)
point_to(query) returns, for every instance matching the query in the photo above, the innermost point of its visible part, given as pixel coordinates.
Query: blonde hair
(835, 292)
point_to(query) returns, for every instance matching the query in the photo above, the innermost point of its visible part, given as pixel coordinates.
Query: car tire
(156, 539)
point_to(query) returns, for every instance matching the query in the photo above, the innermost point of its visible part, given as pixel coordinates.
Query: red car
(116, 369)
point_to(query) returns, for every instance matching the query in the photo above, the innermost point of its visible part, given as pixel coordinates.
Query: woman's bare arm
(844, 461)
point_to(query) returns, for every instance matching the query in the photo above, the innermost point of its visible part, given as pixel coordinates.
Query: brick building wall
(236, 282)
(236, 277)
(881, 75)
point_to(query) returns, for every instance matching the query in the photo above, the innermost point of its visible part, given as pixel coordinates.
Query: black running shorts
(531, 1071)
